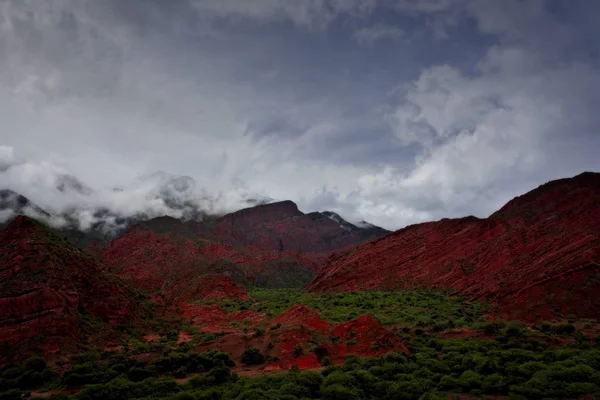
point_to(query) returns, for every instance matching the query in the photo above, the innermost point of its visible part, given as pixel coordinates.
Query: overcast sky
(392, 111)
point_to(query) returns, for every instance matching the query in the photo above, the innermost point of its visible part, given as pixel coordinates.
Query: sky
(390, 111)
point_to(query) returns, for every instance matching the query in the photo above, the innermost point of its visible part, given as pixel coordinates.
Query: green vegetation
(252, 356)
(33, 373)
(508, 359)
(435, 367)
(416, 307)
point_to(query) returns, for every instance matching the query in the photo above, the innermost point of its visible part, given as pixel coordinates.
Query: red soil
(363, 336)
(299, 327)
(538, 257)
(298, 315)
(183, 338)
(213, 319)
(218, 287)
(372, 338)
(47, 286)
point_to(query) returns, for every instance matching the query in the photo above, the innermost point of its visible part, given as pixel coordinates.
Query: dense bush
(435, 367)
(252, 356)
(32, 373)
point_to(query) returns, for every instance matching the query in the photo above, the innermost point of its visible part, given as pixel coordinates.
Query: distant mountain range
(89, 219)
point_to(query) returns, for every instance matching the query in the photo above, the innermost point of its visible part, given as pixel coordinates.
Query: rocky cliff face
(51, 293)
(538, 256)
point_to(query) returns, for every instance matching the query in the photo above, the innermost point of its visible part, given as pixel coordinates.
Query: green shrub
(545, 327)
(252, 356)
(137, 374)
(339, 392)
(515, 328)
(326, 361)
(298, 351)
(470, 380)
(35, 363)
(494, 384)
(13, 394)
(258, 332)
(565, 329)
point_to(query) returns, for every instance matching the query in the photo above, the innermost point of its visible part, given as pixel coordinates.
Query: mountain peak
(18, 204)
(68, 184)
(266, 212)
(543, 200)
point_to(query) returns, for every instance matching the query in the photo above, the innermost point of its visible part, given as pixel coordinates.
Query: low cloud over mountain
(48, 192)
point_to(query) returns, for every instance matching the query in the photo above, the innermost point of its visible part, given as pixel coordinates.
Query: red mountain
(273, 245)
(51, 293)
(538, 256)
(281, 226)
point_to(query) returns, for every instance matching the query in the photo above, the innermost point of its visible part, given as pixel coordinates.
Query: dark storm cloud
(389, 111)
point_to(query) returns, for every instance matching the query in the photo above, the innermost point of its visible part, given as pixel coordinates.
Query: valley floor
(291, 344)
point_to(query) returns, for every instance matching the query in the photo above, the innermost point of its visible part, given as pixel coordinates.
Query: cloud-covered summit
(48, 192)
(392, 112)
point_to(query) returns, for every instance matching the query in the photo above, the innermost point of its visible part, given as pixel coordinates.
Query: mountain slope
(538, 256)
(52, 293)
(273, 245)
(169, 257)
(281, 225)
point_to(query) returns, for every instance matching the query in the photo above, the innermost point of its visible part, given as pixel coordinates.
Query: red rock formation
(299, 327)
(281, 225)
(173, 264)
(273, 245)
(299, 315)
(538, 256)
(370, 338)
(51, 292)
(216, 287)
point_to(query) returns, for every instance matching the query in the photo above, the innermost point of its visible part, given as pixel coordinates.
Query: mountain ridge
(548, 237)
(52, 290)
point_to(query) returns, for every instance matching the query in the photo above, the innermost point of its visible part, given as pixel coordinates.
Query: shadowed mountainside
(51, 290)
(273, 245)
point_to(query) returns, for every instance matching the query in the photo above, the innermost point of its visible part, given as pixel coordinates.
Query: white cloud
(374, 33)
(6, 157)
(487, 137)
(314, 14)
(277, 98)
